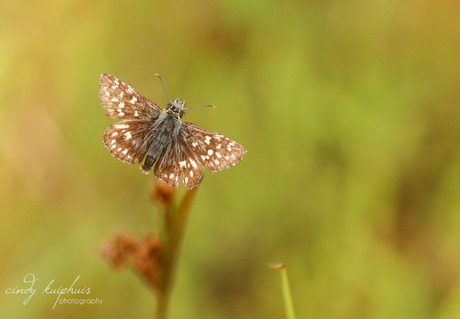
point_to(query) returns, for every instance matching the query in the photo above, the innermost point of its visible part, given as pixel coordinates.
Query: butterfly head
(176, 108)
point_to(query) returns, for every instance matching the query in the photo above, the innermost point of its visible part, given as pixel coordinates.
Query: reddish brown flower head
(163, 194)
(140, 255)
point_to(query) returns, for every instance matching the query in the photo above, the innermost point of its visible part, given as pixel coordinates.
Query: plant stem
(287, 295)
(175, 222)
(288, 304)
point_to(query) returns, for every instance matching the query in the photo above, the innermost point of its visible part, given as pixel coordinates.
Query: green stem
(174, 231)
(288, 304)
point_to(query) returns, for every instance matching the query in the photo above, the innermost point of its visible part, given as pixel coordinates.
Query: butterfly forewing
(214, 151)
(123, 102)
(128, 140)
(178, 162)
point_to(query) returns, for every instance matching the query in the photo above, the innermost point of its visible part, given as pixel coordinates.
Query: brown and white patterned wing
(129, 140)
(213, 150)
(178, 162)
(123, 102)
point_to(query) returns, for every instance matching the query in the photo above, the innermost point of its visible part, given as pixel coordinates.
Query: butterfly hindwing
(178, 162)
(128, 140)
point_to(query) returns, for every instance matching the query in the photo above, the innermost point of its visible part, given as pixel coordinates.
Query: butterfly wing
(123, 102)
(129, 140)
(178, 162)
(213, 150)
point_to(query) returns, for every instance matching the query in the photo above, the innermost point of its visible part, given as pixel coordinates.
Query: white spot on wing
(121, 105)
(182, 164)
(128, 135)
(194, 164)
(210, 152)
(121, 126)
(133, 100)
(207, 139)
(218, 155)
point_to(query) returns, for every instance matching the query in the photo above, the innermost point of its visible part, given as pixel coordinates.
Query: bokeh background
(351, 116)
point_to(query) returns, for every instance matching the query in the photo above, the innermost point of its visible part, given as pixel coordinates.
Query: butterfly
(158, 138)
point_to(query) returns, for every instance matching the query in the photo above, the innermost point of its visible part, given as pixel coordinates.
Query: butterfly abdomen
(166, 128)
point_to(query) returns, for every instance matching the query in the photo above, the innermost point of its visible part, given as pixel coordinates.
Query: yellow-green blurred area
(350, 113)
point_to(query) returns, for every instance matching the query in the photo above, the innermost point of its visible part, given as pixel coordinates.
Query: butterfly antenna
(189, 108)
(198, 107)
(164, 87)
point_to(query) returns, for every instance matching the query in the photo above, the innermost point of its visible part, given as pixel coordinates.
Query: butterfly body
(155, 137)
(165, 129)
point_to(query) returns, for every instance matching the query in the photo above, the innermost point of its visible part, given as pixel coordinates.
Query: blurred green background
(350, 113)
